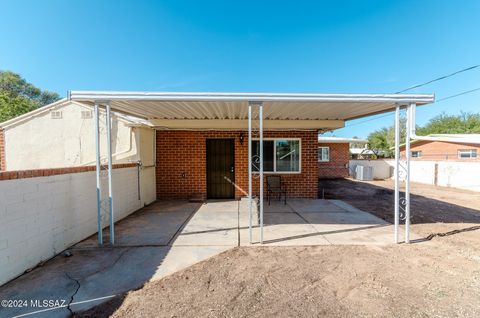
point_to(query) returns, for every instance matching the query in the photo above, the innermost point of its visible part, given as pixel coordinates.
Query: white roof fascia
(340, 140)
(474, 139)
(100, 96)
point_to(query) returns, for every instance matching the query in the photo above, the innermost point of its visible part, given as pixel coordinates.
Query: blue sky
(248, 46)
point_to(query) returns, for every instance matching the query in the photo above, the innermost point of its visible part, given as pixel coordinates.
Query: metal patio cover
(277, 106)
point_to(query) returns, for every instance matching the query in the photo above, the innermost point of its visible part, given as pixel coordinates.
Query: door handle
(232, 169)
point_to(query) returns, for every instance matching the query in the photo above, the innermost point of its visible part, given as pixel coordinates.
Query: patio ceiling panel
(233, 106)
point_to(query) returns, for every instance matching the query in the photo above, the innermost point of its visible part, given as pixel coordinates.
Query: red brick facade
(22, 174)
(440, 150)
(3, 163)
(181, 163)
(337, 167)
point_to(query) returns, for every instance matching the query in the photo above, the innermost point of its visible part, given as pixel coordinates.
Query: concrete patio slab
(276, 207)
(180, 257)
(168, 236)
(171, 206)
(87, 275)
(284, 229)
(215, 223)
(319, 206)
(149, 227)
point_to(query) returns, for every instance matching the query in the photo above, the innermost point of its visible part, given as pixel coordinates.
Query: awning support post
(397, 173)
(97, 173)
(410, 126)
(260, 118)
(109, 154)
(250, 171)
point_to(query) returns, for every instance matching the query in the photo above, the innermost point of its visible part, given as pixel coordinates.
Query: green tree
(384, 138)
(465, 123)
(18, 97)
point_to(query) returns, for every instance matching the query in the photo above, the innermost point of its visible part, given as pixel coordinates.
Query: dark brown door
(220, 169)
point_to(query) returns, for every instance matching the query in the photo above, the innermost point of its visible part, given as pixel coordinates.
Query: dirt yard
(435, 277)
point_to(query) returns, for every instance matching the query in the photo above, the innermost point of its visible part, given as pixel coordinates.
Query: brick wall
(22, 174)
(337, 167)
(440, 150)
(181, 163)
(3, 164)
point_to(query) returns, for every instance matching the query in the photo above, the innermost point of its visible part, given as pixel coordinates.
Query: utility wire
(459, 94)
(439, 78)
(438, 101)
(426, 83)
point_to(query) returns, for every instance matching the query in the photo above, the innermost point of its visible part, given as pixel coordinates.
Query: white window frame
(275, 156)
(470, 151)
(419, 153)
(321, 160)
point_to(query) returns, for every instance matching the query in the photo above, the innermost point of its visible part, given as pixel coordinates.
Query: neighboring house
(333, 156)
(62, 135)
(441, 147)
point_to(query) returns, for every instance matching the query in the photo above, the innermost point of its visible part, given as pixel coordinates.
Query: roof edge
(104, 96)
(32, 113)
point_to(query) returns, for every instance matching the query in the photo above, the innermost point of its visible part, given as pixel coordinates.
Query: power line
(459, 94)
(439, 78)
(426, 83)
(437, 101)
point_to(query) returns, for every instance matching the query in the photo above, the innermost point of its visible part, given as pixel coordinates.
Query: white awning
(232, 106)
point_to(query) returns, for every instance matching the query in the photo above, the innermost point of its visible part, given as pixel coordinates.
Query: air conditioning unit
(364, 173)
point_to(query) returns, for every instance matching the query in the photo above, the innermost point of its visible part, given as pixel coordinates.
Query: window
(467, 153)
(86, 114)
(416, 154)
(279, 155)
(56, 114)
(323, 154)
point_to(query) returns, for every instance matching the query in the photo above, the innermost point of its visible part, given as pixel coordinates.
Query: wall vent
(56, 114)
(86, 114)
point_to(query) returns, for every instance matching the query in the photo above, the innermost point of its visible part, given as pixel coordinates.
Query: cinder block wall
(337, 167)
(41, 216)
(184, 153)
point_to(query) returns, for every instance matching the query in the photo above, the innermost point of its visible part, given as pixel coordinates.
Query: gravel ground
(439, 277)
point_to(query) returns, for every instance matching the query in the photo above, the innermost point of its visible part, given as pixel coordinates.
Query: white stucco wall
(42, 216)
(462, 175)
(42, 142)
(382, 169)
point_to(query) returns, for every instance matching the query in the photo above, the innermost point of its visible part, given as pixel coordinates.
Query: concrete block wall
(41, 216)
(455, 174)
